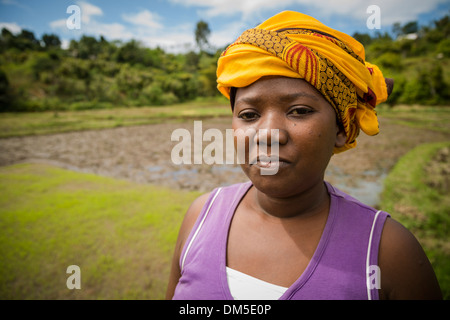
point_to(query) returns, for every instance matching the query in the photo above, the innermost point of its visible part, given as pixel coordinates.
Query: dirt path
(142, 154)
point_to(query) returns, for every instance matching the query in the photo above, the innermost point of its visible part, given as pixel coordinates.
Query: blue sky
(170, 24)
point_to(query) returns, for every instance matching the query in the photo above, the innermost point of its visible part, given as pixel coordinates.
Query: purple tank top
(338, 269)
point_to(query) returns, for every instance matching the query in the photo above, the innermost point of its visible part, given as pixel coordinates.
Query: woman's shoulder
(406, 270)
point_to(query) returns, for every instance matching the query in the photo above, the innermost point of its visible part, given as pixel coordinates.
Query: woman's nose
(271, 130)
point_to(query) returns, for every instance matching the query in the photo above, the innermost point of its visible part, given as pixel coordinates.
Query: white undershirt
(245, 287)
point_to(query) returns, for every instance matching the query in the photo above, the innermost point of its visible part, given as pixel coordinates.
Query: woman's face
(307, 133)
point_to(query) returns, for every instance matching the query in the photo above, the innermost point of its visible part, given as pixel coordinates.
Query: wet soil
(143, 154)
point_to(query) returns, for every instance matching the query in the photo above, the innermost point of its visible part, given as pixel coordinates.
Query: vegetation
(418, 60)
(120, 234)
(38, 75)
(416, 194)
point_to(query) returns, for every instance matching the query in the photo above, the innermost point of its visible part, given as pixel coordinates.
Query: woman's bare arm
(406, 272)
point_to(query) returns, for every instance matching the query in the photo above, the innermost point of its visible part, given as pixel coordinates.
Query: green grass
(412, 196)
(436, 118)
(120, 234)
(33, 123)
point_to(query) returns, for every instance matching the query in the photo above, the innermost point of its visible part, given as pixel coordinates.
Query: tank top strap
(373, 281)
(198, 225)
(216, 213)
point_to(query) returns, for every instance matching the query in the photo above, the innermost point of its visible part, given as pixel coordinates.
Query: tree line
(417, 57)
(38, 74)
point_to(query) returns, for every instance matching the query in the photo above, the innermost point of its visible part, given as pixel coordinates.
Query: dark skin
(278, 224)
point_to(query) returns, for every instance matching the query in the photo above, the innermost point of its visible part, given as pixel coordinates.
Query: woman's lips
(270, 162)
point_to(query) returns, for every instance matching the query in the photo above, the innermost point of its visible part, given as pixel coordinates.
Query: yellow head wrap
(295, 45)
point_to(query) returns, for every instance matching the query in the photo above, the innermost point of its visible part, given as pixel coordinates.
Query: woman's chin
(274, 184)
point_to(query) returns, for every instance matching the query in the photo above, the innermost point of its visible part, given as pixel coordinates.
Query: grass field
(120, 234)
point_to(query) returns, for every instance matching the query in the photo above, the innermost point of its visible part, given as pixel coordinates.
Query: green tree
(390, 60)
(23, 41)
(6, 39)
(43, 62)
(363, 38)
(444, 48)
(207, 74)
(397, 29)
(202, 33)
(51, 41)
(438, 86)
(86, 48)
(410, 27)
(27, 40)
(427, 87)
(5, 93)
(443, 25)
(130, 52)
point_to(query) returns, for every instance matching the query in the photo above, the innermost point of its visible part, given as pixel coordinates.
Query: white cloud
(91, 26)
(148, 27)
(144, 27)
(175, 39)
(145, 19)
(88, 10)
(248, 13)
(397, 11)
(247, 8)
(221, 38)
(11, 26)
(58, 24)
(391, 10)
(111, 31)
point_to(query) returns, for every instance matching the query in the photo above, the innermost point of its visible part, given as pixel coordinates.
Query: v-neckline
(310, 268)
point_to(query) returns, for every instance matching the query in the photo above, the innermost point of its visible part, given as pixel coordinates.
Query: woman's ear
(341, 137)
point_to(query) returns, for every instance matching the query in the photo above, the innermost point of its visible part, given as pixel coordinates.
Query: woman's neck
(311, 202)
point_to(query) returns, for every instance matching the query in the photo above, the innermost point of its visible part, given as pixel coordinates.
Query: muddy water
(366, 186)
(142, 154)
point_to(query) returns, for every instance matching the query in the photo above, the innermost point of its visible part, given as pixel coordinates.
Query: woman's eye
(248, 115)
(301, 111)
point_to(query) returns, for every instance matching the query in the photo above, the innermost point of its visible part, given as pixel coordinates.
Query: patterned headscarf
(295, 45)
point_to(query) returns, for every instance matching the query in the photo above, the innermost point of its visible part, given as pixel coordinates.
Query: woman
(290, 235)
